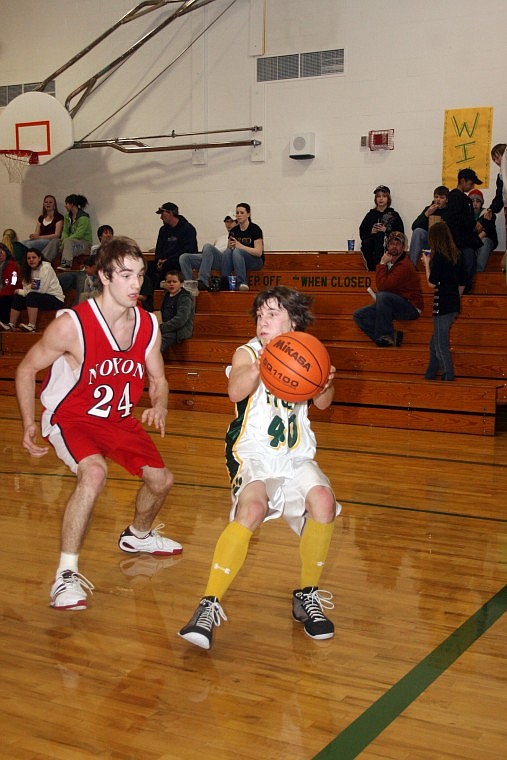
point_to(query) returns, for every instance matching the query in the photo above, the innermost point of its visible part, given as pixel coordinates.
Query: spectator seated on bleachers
(435, 212)
(210, 258)
(49, 227)
(376, 226)
(177, 311)
(485, 226)
(39, 289)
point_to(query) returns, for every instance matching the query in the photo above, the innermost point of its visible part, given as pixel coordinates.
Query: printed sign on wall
(467, 143)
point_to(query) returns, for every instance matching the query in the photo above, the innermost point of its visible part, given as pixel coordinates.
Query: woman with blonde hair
(49, 225)
(17, 249)
(446, 275)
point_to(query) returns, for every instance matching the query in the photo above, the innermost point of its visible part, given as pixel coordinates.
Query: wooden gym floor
(417, 669)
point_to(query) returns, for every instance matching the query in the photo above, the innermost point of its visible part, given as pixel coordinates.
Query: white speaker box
(302, 145)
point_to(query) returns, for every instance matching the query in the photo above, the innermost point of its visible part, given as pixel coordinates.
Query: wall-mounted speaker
(302, 145)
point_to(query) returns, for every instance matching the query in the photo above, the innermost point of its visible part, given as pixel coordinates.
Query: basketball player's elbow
(238, 391)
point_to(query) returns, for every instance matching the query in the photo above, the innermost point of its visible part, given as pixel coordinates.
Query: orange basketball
(295, 366)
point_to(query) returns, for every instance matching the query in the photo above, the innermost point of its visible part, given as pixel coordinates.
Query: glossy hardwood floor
(417, 669)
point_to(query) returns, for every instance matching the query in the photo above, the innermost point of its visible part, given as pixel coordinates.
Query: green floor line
(390, 705)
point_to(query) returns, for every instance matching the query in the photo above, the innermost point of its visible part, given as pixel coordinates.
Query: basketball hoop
(16, 161)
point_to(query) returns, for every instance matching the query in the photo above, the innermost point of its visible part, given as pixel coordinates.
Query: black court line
(359, 734)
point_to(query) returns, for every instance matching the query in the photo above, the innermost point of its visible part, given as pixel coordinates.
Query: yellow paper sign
(467, 143)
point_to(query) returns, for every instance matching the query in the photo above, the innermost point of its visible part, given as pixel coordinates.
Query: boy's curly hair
(296, 304)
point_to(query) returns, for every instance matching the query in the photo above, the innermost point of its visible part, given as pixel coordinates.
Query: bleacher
(374, 386)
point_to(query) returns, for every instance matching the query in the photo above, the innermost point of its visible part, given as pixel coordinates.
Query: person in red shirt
(399, 295)
(100, 355)
(10, 279)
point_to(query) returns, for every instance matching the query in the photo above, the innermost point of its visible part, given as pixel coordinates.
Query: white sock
(138, 533)
(68, 562)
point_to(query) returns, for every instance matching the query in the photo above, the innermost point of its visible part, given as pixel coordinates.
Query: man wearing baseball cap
(398, 296)
(460, 219)
(176, 236)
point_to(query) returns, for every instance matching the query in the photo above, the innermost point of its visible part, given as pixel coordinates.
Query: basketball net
(16, 161)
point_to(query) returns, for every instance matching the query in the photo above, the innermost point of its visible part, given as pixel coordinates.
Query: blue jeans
(483, 253)
(440, 353)
(377, 320)
(418, 241)
(37, 243)
(210, 258)
(240, 262)
(72, 248)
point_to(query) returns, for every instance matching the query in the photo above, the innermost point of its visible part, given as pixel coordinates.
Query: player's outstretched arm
(58, 338)
(244, 376)
(158, 390)
(325, 397)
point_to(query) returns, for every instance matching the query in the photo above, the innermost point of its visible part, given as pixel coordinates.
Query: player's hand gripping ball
(295, 366)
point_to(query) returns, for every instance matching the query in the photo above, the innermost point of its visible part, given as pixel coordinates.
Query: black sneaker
(398, 337)
(202, 285)
(307, 604)
(385, 341)
(199, 629)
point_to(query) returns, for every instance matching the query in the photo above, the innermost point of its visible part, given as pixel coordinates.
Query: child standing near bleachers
(446, 275)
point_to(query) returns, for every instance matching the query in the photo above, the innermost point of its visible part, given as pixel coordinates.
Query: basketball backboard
(38, 122)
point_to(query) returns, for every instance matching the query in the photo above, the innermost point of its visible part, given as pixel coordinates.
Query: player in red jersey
(99, 354)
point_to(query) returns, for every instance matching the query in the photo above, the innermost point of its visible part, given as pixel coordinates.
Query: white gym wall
(405, 64)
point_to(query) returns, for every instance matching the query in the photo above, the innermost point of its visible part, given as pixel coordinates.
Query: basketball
(295, 366)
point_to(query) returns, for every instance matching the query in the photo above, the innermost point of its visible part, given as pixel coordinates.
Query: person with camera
(376, 226)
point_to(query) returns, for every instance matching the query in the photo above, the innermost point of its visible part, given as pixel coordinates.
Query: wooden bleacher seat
(373, 386)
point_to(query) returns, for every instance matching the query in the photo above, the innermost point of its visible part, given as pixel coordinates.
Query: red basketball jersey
(110, 381)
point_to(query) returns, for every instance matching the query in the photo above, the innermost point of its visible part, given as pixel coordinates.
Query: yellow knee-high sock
(313, 549)
(230, 553)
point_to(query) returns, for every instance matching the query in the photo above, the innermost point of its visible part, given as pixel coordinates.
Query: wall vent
(300, 65)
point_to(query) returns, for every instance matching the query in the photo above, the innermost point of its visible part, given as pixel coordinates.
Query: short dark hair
(112, 253)
(295, 303)
(175, 273)
(441, 190)
(103, 228)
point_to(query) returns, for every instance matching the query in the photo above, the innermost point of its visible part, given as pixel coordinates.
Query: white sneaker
(28, 327)
(243, 286)
(146, 565)
(151, 543)
(68, 592)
